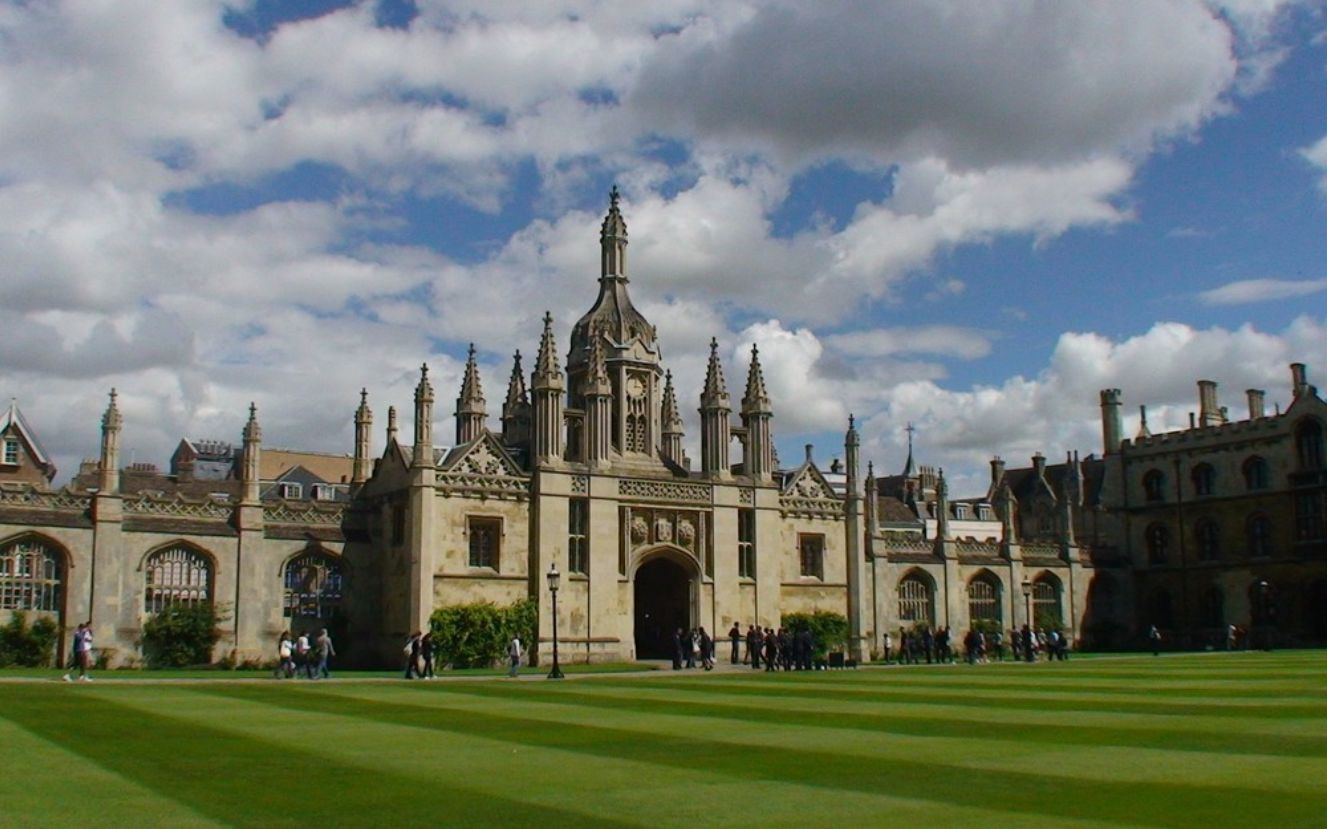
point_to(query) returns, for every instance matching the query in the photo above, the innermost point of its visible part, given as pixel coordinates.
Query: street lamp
(555, 581)
(1027, 601)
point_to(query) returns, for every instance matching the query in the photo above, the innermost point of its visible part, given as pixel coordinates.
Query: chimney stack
(1209, 413)
(1299, 379)
(1257, 407)
(1112, 422)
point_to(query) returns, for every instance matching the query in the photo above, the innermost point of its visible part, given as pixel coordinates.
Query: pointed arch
(916, 598)
(1047, 605)
(985, 598)
(33, 573)
(313, 584)
(177, 573)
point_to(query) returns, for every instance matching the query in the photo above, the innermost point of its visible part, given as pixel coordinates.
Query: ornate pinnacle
(756, 400)
(252, 432)
(672, 418)
(515, 386)
(715, 392)
(111, 421)
(471, 392)
(547, 371)
(424, 391)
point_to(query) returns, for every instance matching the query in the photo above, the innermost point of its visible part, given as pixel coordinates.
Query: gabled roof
(485, 455)
(13, 419)
(807, 481)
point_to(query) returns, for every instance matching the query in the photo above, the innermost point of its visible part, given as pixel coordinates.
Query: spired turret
(630, 345)
(715, 426)
(470, 410)
(516, 408)
(758, 458)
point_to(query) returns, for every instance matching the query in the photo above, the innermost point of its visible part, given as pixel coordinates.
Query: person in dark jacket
(771, 649)
(412, 655)
(756, 641)
(677, 649)
(735, 636)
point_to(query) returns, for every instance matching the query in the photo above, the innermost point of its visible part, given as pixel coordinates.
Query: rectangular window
(811, 550)
(485, 536)
(323, 492)
(291, 491)
(746, 543)
(11, 452)
(1308, 516)
(578, 535)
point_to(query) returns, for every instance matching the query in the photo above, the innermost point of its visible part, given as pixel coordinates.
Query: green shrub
(476, 635)
(28, 646)
(829, 630)
(181, 635)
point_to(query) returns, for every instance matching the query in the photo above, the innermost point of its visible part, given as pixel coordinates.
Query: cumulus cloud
(1316, 155)
(1262, 290)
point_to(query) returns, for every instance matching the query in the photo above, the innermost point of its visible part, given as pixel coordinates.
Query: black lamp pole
(554, 581)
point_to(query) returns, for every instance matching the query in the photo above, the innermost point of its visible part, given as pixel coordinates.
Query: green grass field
(1217, 740)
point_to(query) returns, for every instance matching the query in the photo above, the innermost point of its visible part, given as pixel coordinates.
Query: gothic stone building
(586, 474)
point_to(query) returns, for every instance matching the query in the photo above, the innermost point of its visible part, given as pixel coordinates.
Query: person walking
(677, 649)
(426, 655)
(325, 651)
(735, 636)
(303, 656)
(771, 650)
(514, 656)
(74, 651)
(85, 653)
(1154, 638)
(706, 650)
(285, 668)
(889, 641)
(689, 642)
(755, 644)
(411, 651)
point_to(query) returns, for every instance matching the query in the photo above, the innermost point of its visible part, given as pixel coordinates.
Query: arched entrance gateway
(663, 604)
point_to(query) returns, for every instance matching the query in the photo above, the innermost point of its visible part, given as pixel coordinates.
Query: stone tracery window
(1204, 479)
(1157, 539)
(31, 577)
(1260, 536)
(984, 599)
(1308, 444)
(1256, 475)
(1046, 602)
(1209, 540)
(313, 586)
(1154, 485)
(176, 575)
(915, 602)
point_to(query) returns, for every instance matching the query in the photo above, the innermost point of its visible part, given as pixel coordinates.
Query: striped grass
(1207, 740)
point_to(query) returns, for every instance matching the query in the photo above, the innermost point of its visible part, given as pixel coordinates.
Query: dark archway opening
(663, 604)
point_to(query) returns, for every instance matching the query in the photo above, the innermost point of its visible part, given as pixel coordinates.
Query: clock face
(635, 388)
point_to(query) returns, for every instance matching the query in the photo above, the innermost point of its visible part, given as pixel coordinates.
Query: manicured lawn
(1184, 740)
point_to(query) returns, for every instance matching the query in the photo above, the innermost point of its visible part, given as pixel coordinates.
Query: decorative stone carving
(686, 532)
(640, 530)
(746, 497)
(179, 507)
(26, 495)
(580, 484)
(664, 491)
(288, 513)
(663, 530)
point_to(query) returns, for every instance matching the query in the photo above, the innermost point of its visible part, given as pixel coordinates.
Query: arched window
(176, 575)
(1046, 602)
(1204, 479)
(1157, 539)
(984, 599)
(1154, 485)
(1260, 536)
(1208, 536)
(313, 585)
(31, 577)
(1256, 474)
(914, 600)
(1308, 443)
(1214, 613)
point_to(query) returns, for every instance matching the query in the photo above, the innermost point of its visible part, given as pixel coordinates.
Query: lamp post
(555, 581)
(1027, 602)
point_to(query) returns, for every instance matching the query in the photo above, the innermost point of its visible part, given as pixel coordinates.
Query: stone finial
(672, 416)
(472, 393)
(756, 399)
(715, 393)
(516, 394)
(111, 420)
(547, 370)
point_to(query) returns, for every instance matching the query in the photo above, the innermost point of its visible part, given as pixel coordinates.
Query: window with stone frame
(1154, 485)
(915, 601)
(485, 541)
(11, 452)
(811, 552)
(1256, 474)
(31, 577)
(984, 599)
(313, 586)
(177, 575)
(1308, 444)
(1260, 536)
(578, 535)
(1046, 603)
(1308, 516)
(1208, 536)
(746, 543)
(1204, 479)
(1157, 539)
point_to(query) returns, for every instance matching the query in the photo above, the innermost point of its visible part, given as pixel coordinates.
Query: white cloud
(1261, 290)
(1316, 155)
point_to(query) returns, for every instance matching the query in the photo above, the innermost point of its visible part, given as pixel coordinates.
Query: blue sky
(969, 216)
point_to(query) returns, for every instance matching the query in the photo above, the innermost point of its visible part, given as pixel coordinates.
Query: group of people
(781, 649)
(1025, 644)
(692, 645)
(419, 652)
(81, 656)
(304, 657)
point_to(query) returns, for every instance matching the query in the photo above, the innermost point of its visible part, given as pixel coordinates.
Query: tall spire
(423, 455)
(516, 408)
(672, 423)
(715, 428)
(250, 464)
(363, 439)
(909, 469)
(613, 241)
(109, 466)
(758, 454)
(470, 411)
(548, 436)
